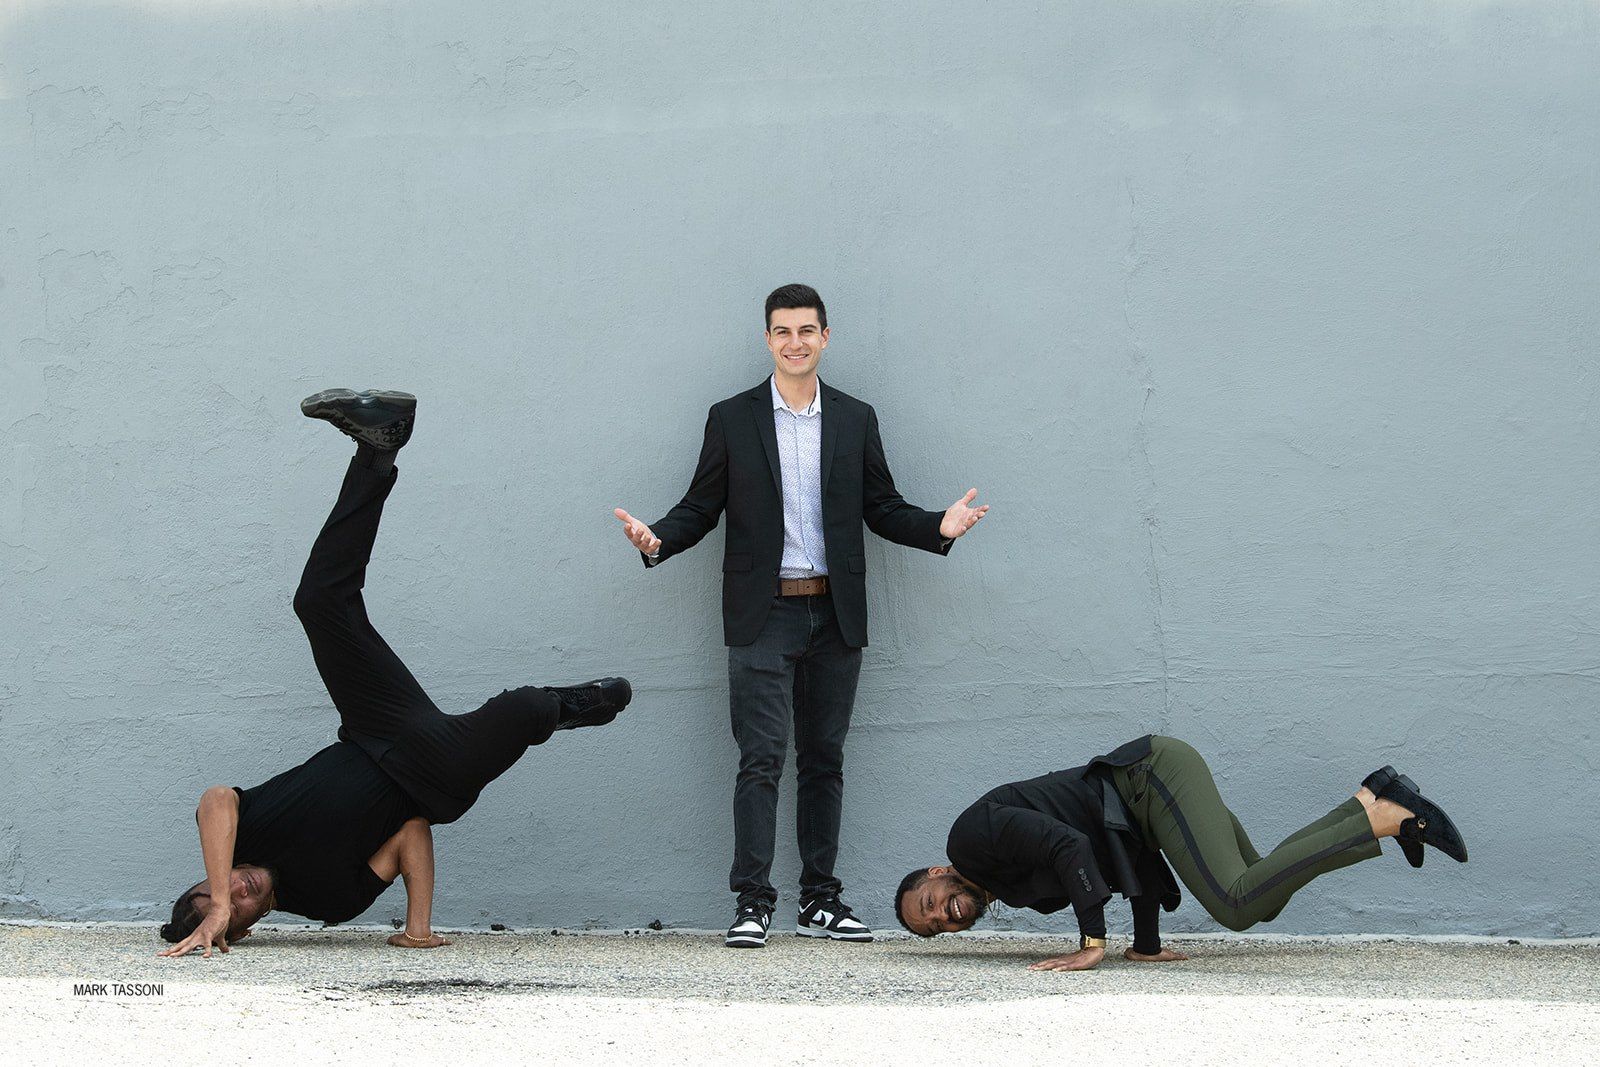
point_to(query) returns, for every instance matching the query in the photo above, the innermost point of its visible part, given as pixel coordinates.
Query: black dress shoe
(377, 418)
(1428, 825)
(1378, 781)
(592, 703)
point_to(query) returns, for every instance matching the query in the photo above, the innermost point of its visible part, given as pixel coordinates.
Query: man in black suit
(798, 467)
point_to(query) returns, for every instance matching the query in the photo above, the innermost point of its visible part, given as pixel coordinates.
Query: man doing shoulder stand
(798, 467)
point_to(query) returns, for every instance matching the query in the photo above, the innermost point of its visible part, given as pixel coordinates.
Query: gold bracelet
(418, 940)
(1090, 942)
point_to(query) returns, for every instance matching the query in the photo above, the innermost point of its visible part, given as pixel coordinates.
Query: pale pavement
(305, 997)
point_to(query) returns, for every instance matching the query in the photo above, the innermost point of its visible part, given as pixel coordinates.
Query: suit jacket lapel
(761, 409)
(831, 413)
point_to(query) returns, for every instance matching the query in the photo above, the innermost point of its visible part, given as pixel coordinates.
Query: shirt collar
(814, 408)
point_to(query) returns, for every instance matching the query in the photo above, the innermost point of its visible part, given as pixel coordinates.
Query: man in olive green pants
(1076, 836)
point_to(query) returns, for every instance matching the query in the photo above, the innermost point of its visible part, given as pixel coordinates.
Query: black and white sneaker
(749, 929)
(830, 917)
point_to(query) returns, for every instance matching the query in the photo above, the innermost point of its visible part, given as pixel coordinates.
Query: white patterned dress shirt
(800, 463)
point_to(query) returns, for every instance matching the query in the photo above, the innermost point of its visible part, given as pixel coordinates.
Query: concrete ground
(314, 996)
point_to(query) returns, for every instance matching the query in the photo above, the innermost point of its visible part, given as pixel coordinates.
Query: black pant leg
(760, 697)
(444, 761)
(824, 695)
(377, 697)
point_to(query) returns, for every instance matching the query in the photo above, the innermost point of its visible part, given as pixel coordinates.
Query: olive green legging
(1174, 798)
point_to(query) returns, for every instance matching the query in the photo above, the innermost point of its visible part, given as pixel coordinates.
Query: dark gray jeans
(799, 669)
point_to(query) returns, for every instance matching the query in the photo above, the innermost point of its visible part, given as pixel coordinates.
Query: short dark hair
(907, 884)
(185, 916)
(796, 296)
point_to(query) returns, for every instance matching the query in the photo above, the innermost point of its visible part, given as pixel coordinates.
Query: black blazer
(1035, 844)
(738, 473)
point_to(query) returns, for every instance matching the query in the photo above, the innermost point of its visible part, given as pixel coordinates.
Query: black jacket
(1062, 838)
(738, 472)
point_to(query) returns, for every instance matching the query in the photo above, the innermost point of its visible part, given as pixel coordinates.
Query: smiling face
(796, 338)
(250, 892)
(941, 902)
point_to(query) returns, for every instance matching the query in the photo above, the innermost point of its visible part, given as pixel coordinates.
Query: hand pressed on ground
(213, 930)
(1166, 955)
(1082, 960)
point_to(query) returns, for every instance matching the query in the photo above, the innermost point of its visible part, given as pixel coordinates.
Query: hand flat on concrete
(1166, 955)
(1082, 960)
(213, 930)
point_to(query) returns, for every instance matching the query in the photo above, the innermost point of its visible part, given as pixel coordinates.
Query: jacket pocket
(736, 561)
(857, 564)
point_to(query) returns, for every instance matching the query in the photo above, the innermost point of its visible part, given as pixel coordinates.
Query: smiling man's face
(796, 338)
(942, 903)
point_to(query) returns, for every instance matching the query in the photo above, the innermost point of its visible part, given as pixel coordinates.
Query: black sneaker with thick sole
(749, 929)
(592, 703)
(377, 418)
(830, 917)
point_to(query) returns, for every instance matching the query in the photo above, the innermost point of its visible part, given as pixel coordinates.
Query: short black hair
(907, 884)
(185, 916)
(796, 295)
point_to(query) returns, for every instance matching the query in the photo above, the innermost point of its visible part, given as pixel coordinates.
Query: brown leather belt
(802, 586)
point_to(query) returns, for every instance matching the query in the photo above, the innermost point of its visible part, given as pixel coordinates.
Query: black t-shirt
(316, 826)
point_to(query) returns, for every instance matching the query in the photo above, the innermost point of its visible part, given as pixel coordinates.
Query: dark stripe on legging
(1211, 880)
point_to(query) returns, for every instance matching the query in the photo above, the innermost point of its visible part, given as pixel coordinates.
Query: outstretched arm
(889, 516)
(696, 514)
(409, 854)
(218, 819)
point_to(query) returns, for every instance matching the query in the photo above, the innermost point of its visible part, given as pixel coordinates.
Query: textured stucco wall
(1269, 330)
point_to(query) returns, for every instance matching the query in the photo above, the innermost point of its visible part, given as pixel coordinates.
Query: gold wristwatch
(1091, 942)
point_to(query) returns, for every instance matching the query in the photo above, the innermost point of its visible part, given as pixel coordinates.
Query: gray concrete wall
(1269, 331)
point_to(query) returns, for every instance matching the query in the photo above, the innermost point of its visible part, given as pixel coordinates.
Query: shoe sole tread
(402, 401)
(812, 931)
